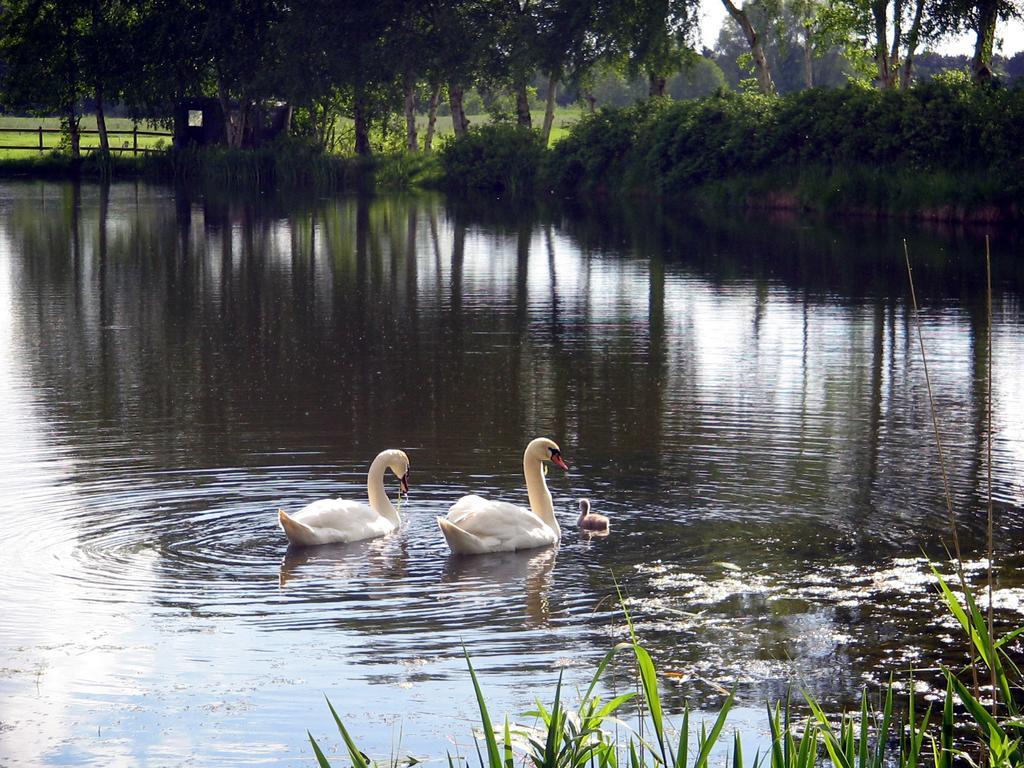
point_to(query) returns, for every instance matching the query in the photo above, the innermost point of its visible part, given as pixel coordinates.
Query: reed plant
(565, 737)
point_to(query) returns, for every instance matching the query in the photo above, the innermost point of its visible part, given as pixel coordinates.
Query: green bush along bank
(944, 148)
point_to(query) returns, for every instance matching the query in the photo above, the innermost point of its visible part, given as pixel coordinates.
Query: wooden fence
(134, 133)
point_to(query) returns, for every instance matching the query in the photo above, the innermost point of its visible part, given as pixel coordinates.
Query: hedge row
(670, 147)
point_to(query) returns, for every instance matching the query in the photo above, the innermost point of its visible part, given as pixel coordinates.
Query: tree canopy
(371, 62)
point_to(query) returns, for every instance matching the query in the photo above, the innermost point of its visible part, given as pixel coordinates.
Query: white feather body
(494, 526)
(337, 521)
(475, 525)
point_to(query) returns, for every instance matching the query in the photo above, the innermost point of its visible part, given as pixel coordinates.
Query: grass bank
(282, 166)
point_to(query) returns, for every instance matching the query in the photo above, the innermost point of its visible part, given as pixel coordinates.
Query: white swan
(475, 525)
(334, 521)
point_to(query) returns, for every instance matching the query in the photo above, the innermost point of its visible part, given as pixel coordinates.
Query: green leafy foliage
(497, 158)
(940, 127)
(601, 148)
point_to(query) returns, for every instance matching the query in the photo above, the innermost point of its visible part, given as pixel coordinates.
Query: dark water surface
(744, 398)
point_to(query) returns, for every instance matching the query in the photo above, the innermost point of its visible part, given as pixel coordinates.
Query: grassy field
(564, 119)
(28, 135)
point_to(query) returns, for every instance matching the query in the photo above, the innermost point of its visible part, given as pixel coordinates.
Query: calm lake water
(743, 397)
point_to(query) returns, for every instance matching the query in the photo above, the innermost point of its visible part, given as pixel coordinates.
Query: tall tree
(170, 53)
(245, 59)
(58, 52)
(887, 33)
(108, 27)
(754, 39)
(463, 33)
(651, 37)
(565, 48)
(979, 17)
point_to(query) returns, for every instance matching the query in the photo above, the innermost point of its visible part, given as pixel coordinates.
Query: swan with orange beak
(475, 525)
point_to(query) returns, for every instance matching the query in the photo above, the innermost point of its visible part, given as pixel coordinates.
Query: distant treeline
(380, 64)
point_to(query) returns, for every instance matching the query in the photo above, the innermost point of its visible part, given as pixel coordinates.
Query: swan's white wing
(466, 505)
(337, 520)
(500, 525)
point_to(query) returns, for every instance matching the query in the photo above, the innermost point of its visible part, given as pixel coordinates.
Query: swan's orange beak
(404, 483)
(556, 457)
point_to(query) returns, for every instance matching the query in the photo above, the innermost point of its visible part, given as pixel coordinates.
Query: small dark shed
(199, 121)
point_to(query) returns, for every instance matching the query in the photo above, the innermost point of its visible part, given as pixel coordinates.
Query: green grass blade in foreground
(832, 742)
(992, 655)
(883, 730)
(649, 681)
(862, 754)
(551, 744)
(807, 752)
(778, 760)
(682, 750)
(507, 746)
(612, 706)
(945, 757)
(988, 724)
(358, 761)
(604, 665)
(493, 756)
(708, 742)
(321, 759)
(1009, 637)
(972, 621)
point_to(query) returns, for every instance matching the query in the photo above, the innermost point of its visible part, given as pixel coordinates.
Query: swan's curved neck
(540, 496)
(379, 501)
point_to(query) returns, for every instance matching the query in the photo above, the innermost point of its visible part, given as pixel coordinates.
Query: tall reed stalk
(988, 462)
(942, 461)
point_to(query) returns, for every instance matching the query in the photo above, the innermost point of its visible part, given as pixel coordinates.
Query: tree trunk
(897, 39)
(460, 124)
(361, 123)
(435, 97)
(523, 117)
(101, 122)
(764, 73)
(907, 73)
(591, 101)
(289, 113)
(878, 11)
(655, 85)
(981, 65)
(74, 138)
(230, 120)
(808, 59)
(549, 110)
(411, 140)
(244, 135)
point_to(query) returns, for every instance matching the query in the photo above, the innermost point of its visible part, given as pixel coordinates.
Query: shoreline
(852, 193)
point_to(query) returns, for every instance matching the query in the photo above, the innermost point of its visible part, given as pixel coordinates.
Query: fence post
(40, 138)
(135, 139)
